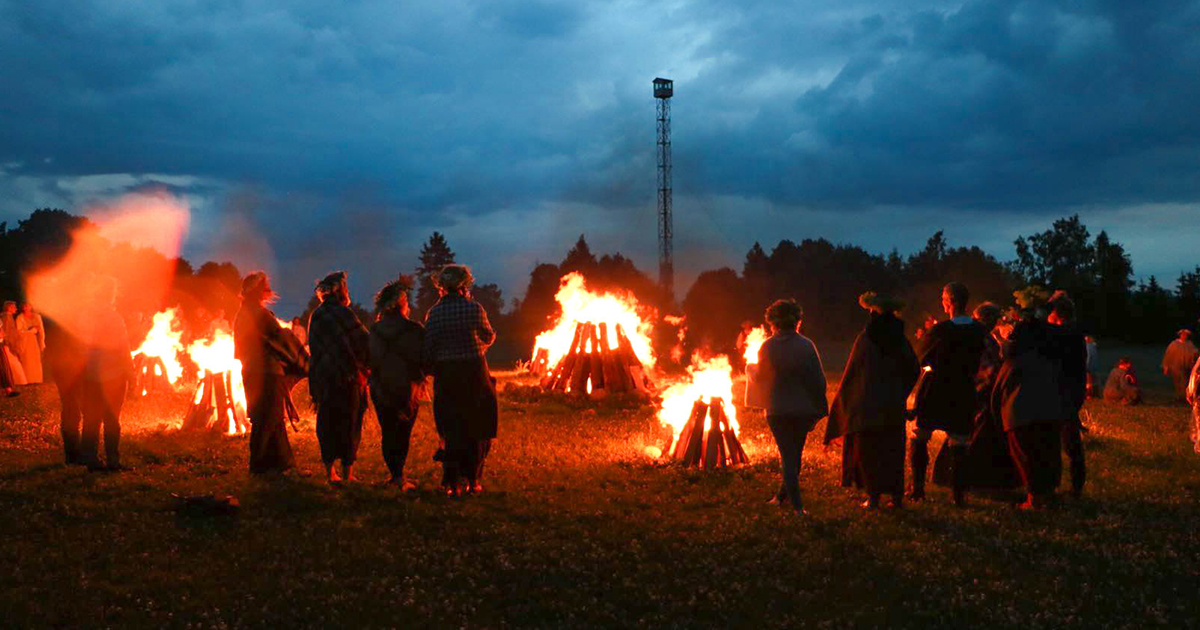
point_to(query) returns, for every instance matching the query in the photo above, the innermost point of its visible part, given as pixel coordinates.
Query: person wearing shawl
(457, 336)
(1028, 398)
(1177, 361)
(789, 371)
(32, 330)
(273, 361)
(1073, 381)
(950, 353)
(1121, 386)
(337, 375)
(868, 412)
(11, 346)
(396, 374)
(107, 373)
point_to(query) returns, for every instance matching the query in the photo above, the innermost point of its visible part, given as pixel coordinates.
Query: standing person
(8, 377)
(32, 342)
(337, 376)
(789, 371)
(66, 359)
(1193, 394)
(457, 336)
(868, 411)
(300, 331)
(1028, 400)
(1073, 382)
(1093, 363)
(107, 373)
(12, 344)
(396, 374)
(951, 351)
(272, 361)
(1178, 361)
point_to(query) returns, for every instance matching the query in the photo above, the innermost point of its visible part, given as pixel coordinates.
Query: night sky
(308, 136)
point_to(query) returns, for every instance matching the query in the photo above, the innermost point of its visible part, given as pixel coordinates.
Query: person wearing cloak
(1121, 387)
(1193, 395)
(273, 361)
(66, 358)
(107, 372)
(337, 375)
(1178, 360)
(465, 409)
(947, 400)
(1073, 382)
(396, 377)
(789, 370)
(12, 344)
(868, 412)
(1028, 398)
(32, 330)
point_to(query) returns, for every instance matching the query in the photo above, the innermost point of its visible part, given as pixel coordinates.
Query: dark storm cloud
(341, 134)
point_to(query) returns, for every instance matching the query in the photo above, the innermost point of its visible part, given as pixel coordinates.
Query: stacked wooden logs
(592, 358)
(214, 407)
(150, 375)
(718, 447)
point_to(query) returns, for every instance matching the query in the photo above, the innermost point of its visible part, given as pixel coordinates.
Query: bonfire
(702, 418)
(156, 360)
(599, 345)
(755, 396)
(220, 400)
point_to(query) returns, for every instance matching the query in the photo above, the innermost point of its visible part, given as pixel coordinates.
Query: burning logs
(596, 364)
(708, 440)
(219, 404)
(150, 374)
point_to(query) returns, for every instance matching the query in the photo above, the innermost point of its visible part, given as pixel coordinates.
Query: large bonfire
(156, 360)
(599, 344)
(703, 420)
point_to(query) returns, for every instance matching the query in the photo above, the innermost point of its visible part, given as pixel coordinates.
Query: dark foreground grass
(579, 528)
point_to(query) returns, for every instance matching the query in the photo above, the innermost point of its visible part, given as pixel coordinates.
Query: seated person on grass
(1122, 385)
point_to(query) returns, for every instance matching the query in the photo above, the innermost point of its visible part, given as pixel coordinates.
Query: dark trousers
(790, 434)
(463, 459)
(70, 396)
(1036, 452)
(395, 429)
(339, 423)
(101, 405)
(1072, 443)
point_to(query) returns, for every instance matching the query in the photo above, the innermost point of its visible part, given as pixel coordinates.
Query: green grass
(579, 528)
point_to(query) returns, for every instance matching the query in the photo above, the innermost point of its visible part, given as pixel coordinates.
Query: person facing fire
(32, 330)
(106, 376)
(8, 377)
(1121, 386)
(1177, 361)
(337, 375)
(457, 336)
(1073, 375)
(868, 412)
(272, 362)
(396, 374)
(790, 372)
(65, 358)
(951, 352)
(12, 344)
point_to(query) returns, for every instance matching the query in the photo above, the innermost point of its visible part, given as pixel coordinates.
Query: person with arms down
(465, 410)
(396, 374)
(33, 342)
(273, 361)
(868, 412)
(107, 373)
(1073, 381)
(337, 375)
(1177, 361)
(947, 401)
(10, 345)
(790, 372)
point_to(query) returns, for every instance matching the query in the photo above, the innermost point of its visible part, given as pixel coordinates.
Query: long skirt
(339, 422)
(874, 460)
(7, 377)
(31, 358)
(15, 370)
(270, 450)
(1036, 453)
(466, 413)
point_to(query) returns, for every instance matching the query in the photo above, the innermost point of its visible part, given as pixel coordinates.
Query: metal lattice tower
(663, 90)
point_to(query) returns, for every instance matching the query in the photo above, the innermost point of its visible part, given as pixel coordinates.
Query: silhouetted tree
(435, 254)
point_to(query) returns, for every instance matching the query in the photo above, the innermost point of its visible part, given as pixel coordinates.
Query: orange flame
(163, 342)
(754, 341)
(582, 306)
(214, 355)
(709, 379)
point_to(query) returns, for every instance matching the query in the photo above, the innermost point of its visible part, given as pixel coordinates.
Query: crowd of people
(1005, 389)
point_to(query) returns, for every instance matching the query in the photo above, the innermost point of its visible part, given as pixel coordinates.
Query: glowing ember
(712, 378)
(220, 381)
(580, 306)
(162, 342)
(754, 341)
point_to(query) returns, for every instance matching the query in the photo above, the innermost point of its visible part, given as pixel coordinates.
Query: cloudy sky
(308, 135)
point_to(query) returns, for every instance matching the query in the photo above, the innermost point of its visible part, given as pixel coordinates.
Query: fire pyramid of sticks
(718, 447)
(150, 374)
(215, 407)
(592, 360)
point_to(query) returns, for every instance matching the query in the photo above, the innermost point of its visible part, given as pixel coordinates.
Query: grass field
(578, 528)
